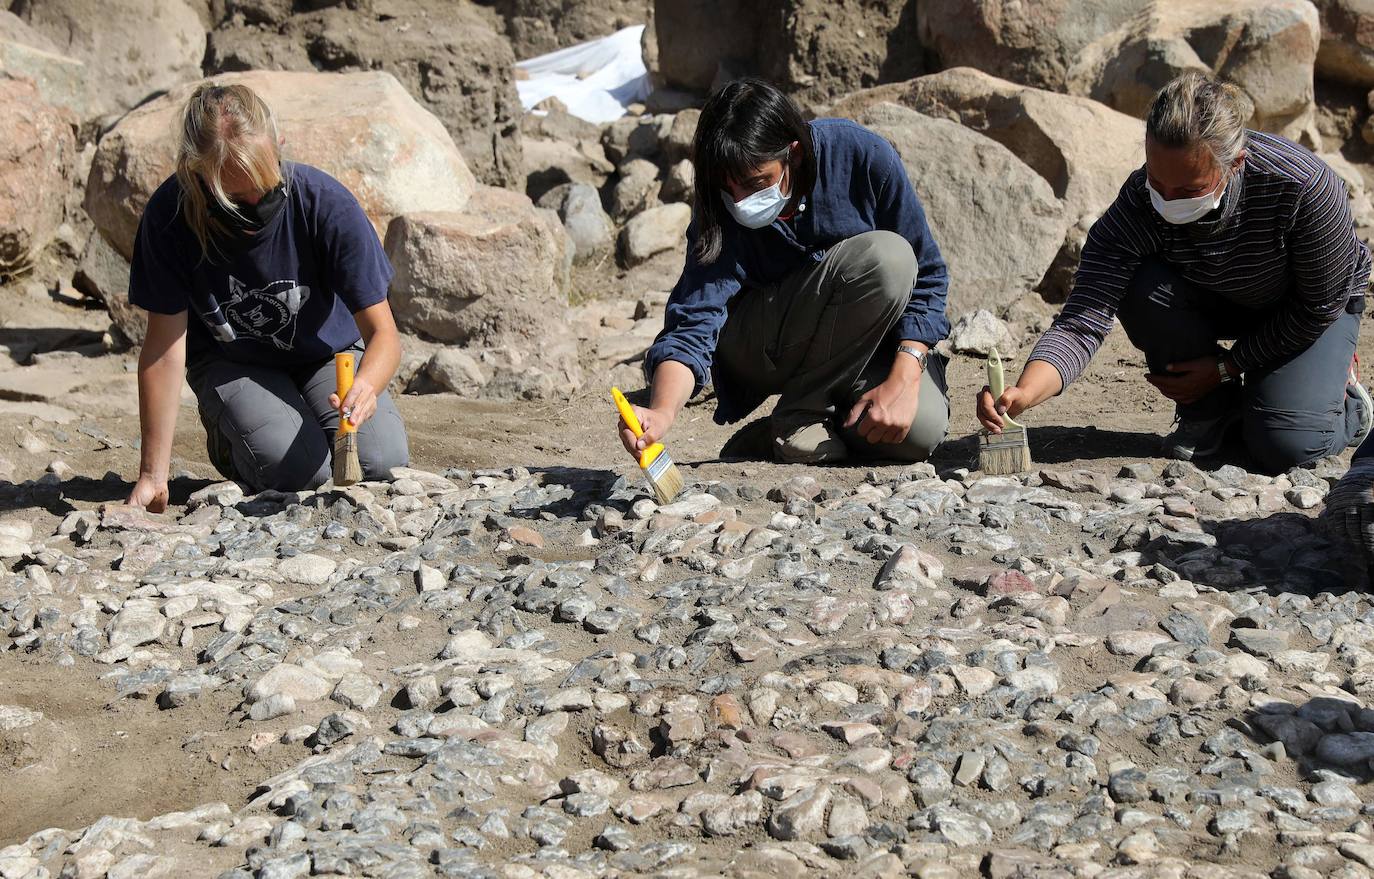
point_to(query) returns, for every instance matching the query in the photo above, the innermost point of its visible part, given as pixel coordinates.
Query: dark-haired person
(810, 274)
(255, 273)
(1224, 234)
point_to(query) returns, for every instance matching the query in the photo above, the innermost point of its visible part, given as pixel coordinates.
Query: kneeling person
(255, 273)
(811, 274)
(1224, 234)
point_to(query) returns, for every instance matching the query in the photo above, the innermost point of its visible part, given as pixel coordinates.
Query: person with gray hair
(1224, 234)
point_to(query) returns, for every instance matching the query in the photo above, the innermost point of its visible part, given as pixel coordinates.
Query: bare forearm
(1039, 382)
(382, 357)
(159, 395)
(672, 387)
(905, 368)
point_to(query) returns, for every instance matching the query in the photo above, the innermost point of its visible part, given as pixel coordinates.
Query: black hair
(743, 125)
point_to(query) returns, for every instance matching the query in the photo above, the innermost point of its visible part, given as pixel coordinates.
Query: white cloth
(596, 81)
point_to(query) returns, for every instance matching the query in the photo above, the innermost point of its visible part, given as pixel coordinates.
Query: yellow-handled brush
(347, 470)
(658, 468)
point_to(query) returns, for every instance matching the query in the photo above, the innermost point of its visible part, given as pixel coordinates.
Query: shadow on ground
(1049, 445)
(60, 498)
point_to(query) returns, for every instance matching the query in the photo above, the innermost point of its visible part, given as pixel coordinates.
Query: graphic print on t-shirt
(266, 313)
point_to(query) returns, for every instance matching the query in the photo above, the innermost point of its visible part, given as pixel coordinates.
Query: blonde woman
(1225, 234)
(254, 273)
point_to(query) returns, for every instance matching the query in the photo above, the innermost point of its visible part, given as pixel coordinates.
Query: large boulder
(27, 54)
(495, 273)
(1035, 43)
(652, 232)
(1083, 149)
(362, 128)
(813, 49)
(1347, 48)
(590, 230)
(38, 154)
(997, 222)
(103, 275)
(1266, 47)
(537, 27)
(443, 51)
(131, 48)
(493, 279)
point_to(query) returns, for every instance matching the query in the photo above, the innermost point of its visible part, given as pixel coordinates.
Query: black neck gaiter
(250, 218)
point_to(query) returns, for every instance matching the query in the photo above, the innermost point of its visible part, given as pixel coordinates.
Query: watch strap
(915, 352)
(1223, 372)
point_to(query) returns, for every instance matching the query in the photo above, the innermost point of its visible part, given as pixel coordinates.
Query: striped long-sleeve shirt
(1283, 240)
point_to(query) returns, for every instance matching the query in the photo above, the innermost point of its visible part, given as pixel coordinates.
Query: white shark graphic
(266, 313)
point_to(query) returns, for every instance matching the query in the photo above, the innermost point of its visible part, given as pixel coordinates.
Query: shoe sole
(820, 458)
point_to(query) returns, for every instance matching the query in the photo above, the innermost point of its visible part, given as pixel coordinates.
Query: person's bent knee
(925, 436)
(296, 470)
(378, 465)
(887, 261)
(383, 446)
(1277, 448)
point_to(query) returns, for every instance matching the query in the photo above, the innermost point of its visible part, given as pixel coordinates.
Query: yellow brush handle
(343, 383)
(627, 414)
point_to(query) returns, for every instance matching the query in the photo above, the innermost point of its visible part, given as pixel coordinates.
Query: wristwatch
(1221, 369)
(915, 352)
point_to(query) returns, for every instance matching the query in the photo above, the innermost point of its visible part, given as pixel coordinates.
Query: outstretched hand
(150, 494)
(884, 414)
(359, 405)
(993, 413)
(655, 424)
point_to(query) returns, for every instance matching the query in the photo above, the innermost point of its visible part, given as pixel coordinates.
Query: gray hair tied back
(1197, 110)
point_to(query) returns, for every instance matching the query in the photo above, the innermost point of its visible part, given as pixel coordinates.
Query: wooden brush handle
(343, 383)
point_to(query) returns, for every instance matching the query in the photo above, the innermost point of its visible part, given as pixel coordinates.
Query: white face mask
(1186, 210)
(758, 209)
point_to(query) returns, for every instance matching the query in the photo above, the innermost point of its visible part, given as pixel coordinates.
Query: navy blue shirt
(861, 186)
(286, 296)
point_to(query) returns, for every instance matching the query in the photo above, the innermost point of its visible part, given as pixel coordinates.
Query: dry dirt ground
(95, 754)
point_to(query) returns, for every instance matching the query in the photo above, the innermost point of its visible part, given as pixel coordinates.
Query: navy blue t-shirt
(284, 297)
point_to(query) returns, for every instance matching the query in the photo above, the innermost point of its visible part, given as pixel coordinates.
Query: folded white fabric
(596, 81)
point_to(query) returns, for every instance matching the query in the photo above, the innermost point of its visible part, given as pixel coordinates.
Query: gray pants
(823, 337)
(1294, 411)
(273, 428)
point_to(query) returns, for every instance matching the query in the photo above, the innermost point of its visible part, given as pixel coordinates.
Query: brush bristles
(347, 470)
(1004, 454)
(664, 478)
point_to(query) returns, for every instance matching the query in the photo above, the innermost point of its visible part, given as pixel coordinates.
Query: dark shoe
(815, 443)
(1194, 438)
(752, 442)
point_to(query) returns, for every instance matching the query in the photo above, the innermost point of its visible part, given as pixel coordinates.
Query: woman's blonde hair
(224, 126)
(1197, 110)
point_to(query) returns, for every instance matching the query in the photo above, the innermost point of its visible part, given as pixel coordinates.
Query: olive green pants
(824, 337)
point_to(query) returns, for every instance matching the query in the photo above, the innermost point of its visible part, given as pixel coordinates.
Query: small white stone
(307, 568)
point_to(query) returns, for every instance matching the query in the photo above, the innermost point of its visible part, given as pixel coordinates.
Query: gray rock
(652, 232)
(981, 332)
(586, 222)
